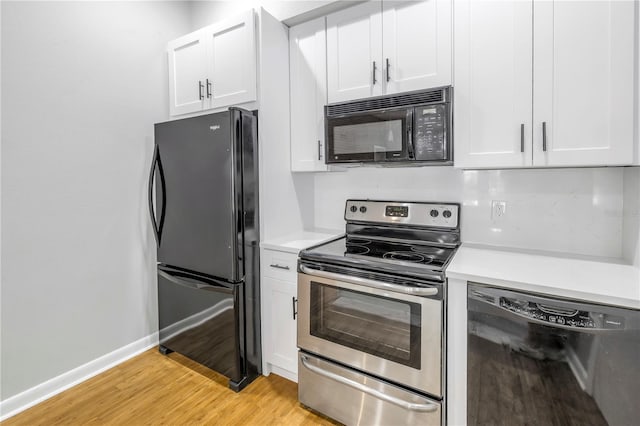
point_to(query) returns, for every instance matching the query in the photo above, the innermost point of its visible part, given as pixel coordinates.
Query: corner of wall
(280, 190)
(636, 128)
(631, 216)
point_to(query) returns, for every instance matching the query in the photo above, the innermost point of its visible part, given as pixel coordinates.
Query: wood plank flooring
(153, 389)
(509, 389)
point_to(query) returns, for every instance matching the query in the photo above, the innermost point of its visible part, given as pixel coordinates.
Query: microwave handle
(410, 151)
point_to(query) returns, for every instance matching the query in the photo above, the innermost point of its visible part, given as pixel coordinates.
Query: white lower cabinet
(279, 313)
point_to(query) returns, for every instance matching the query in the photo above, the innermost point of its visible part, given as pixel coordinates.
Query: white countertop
(593, 280)
(295, 242)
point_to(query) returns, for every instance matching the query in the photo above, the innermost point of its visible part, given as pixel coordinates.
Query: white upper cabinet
(544, 83)
(378, 48)
(231, 61)
(493, 83)
(354, 52)
(583, 82)
(308, 92)
(213, 67)
(187, 74)
(416, 44)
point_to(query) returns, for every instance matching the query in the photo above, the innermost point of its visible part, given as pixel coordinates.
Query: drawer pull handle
(428, 407)
(275, 265)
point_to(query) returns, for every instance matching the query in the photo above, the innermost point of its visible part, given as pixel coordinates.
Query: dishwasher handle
(412, 406)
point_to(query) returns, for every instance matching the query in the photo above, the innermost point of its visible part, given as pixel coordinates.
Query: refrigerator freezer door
(199, 318)
(199, 199)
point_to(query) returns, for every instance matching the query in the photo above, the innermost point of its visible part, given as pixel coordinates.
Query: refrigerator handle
(185, 280)
(152, 213)
(157, 227)
(163, 187)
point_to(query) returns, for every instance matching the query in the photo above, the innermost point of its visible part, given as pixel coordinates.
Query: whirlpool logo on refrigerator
(214, 127)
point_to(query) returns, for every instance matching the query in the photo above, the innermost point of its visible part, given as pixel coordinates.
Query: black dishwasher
(540, 360)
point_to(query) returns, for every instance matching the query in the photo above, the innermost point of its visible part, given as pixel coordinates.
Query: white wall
(83, 83)
(576, 211)
(205, 12)
(286, 200)
(631, 215)
(283, 196)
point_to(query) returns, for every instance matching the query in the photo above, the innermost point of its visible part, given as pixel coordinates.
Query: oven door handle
(412, 406)
(416, 291)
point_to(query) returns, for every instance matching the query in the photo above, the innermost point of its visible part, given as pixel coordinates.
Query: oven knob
(363, 209)
(446, 213)
(434, 213)
(354, 209)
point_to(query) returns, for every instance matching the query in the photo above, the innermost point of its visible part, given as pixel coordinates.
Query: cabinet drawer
(280, 265)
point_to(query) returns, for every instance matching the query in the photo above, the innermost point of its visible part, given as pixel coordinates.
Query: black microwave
(410, 127)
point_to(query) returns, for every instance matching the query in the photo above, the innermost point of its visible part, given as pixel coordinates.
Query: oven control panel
(437, 215)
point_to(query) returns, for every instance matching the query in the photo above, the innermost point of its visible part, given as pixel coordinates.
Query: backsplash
(631, 216)
(576, 211)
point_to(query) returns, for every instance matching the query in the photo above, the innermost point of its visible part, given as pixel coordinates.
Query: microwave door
(382, 136)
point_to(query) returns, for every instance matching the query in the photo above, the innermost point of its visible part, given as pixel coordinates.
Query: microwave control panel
(430, 138)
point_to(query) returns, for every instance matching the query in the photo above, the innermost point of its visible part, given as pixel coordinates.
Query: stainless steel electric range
(371, 324)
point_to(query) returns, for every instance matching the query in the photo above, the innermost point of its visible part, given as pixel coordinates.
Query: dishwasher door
(540, 360)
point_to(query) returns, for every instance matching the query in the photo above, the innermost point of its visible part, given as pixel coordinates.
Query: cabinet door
(416, 44)
(354, 52)
(493, 101)
(231, 61)
(308, 79)
(583, 82)
(282, 348)
(186, 74)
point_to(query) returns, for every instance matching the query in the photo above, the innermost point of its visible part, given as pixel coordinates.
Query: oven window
(377, 137)
(380, 326)
(369, 136)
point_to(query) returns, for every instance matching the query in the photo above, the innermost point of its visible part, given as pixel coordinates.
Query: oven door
(383, 332)
(378, 136)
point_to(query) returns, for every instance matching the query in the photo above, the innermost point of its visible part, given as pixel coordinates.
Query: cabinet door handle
(544, 136)
(522, 137)
(200, 87)
(208, 88)
(374, 72)
(388, 66)
(294, 300)
(275, 265)
(319, 150)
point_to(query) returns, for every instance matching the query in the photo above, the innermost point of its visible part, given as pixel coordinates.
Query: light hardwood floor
(153, 389)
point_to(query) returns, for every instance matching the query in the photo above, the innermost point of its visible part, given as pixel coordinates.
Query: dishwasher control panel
(561, 316)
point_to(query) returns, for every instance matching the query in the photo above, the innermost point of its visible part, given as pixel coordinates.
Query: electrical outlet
(498, 210)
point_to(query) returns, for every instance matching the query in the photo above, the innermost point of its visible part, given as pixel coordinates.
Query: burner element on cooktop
(408, 256)
(357, 241)
(357, 249)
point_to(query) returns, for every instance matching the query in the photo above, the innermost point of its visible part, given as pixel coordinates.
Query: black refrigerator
(205, 219)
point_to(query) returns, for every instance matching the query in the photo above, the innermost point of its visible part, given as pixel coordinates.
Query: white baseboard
(284, 373)
(20, 402)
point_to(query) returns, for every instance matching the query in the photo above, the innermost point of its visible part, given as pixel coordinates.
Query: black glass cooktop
(393, 255)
